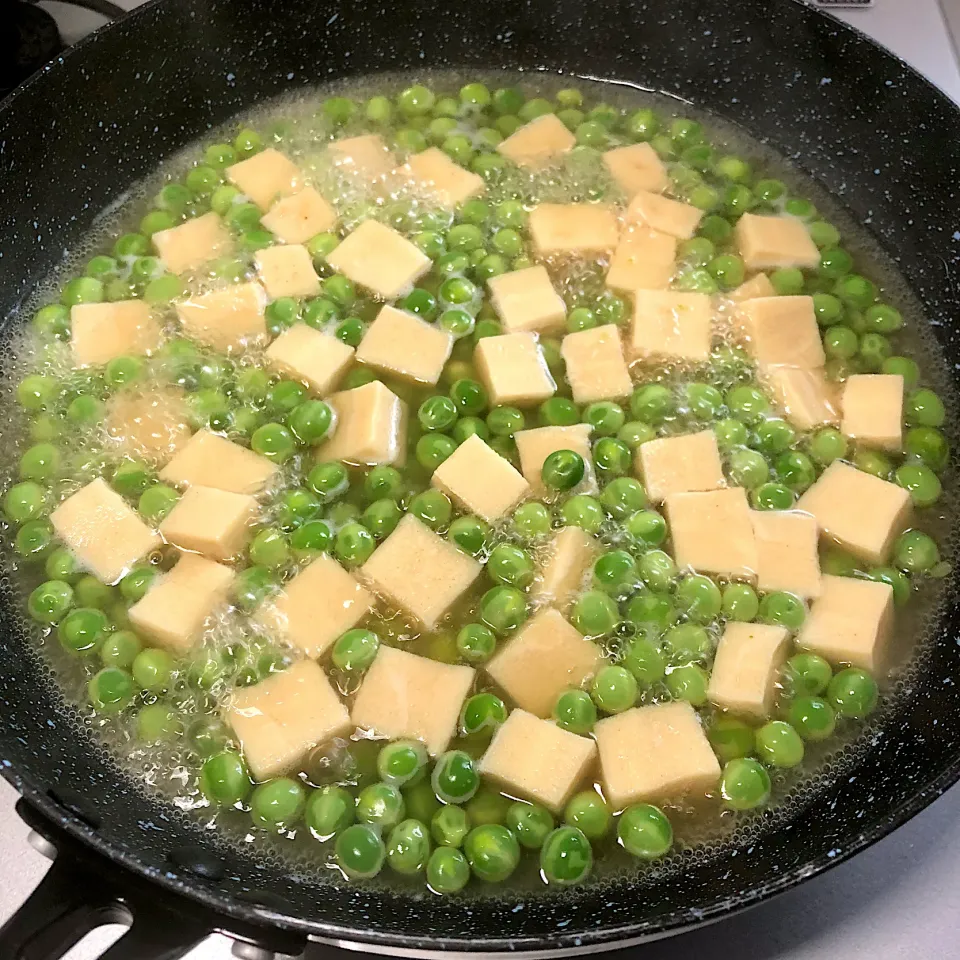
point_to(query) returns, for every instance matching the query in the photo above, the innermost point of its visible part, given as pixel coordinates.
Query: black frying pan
(77, 135)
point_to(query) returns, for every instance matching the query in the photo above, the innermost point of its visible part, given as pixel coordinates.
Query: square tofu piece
(377, 257)
(398, 342)
(366, 158)
(645, 259)
(782, 330)
(280, 720)
(265, 176)
(371, 427)
(670, 326)
(538, 143)
(297, 218)
(596, 369)
(319, 604)
(678, 219)
(768, 242)
(227, 319)
(437, 176)
(312, 357)
(403, 695)
(636, 168)
(744, 674)
(192, 244)
(513, 369)
(419, 572)
(713, 532)
(479, 479)
(544, 658)
(102, 531)
(861, 512)
(579, 229)
(758, 286)
(525, 300)
(173, 611)
(654, 753)
(287, 271)
(213, 461)
(680, 465)
(850, 622)
(151, 424)
(805, 396)
(534, 446)
(570, 555)
(873, 410)
(787, 557)
(101, 331)
(213, 522)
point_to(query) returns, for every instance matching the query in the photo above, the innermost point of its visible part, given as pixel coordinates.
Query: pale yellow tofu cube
(675, 217)
(213, 522)
(314, 358)
(596, 369)
(297, 218)
(569, 557)
(872, 406)
(287, 271)
(536, 444)
(804, 395)
(420, 572)
(655, 753)
(102, 531)
(767, 242)
(538, 761)
(636, 168)
(228, 319)
(513, 369)
(210, 460)
(101, 331)
(526, 300)
(757, 286)
(377, 257)
(438, 177)
(581, 229)
(787, 557)
(265, 176)
(400, 343)
(682, 464)
(538, 143)
(670, 326)
(479, 479)
(404, 695)
(645, 259)
(744, 675)
(371, 427)
(281, 719)
(782, 330)
(713, 532)
(850, 622)
(150, 423)
(545, 657)
(861, 512)
(366, 157)
(192, 244)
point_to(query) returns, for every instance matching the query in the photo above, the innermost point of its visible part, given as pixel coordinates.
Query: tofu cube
(314, 358)
(596, 369)
(101, 331)
(209, 460)
(713, 532)
(861, 512)
(439, 178)
(745, 669)
(782, 330)
(757, 286)
(538, 761)
(213, 522)
(297, 218)
(102, 531)
(479, 479)
(150, 424)
(227, 320)
(805, 396)
(535, 445)
(645, 259)
(636, 168)
(661, 213)
(192, 244)
(873, 410)
(265, 176)
(398, 342)
(570, 555)
(366, 157)
(787, 557)
(670, 326)
(654, 753)
(513, 369)
(420, 572)
(681, 464)
(287, 271)
(544, 658)
(281, 719)
(578, 229)
(766, 242)
(375, 256)
(538, 143)
(525, 300)
(371, 427)
(403, 695)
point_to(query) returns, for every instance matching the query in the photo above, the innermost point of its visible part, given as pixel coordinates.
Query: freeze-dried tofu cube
(805, 396)
(636, 167)
(101, 331)
(571, 553)
(872, 406)
(536, 760)
(403, 695)
(713, 532)
(227, 319)
(535, 445)
(420, 572)
(787, 557)
(766, 242)
(661, 213)
(850, 622)
(645, 259)
(573, 228)
(744, 675)
(654, 753)
(680, 464)
(596, 369)
(758, 286)
(398, 342)
(213, 461)
(265, 176)
(380, 259)
(526, 300)
(782, 330)
(366, 157)
(213, 522)
(513, 369)
(287, 271)
(297, 218)
(281, 719)
(861, 512)
(545, 657)
(149, 423)
(102, 531)
(314, 358)
(371, 426)
(538, 143)
(670, 326)
(192, 244)
(438, 177)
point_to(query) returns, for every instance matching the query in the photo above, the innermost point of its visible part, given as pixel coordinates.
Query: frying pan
(864, 125)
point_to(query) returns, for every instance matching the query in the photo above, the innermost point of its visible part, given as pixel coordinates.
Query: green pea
(921, 482)
(615, 573)
(730, 433)
(928, 445)
(614, 689)
(530, 823)
(482, 711)
(566, 857)
(807, 674)
(402, 762)
(34, 539)
(329, 811)
(795, 470)
(531, 520)
(657, 570)
(156, 723)
(381, 518)
(923, 408)
(853, 693)
(588, 811)
(329, 481)
(83, 629)
(902, 367)
(699, 598)
(448, 870)
(450, 826)
(812, 717)
(152, 669)
(582, 511)
(840, 342)
(644, 831)
(747, 468)
(727, 269)
(688, 682)
(380, 804)
(873, 462)
(455, 778)
(111, 690)
(355, 650)
(687, 641)
(745, 784)
(652, 403)
(359, 851)
(559, 412)
(469, 396)
(277, 804)
(782, 609)
(747, 403)
(433, 448)
(270, 549)
(898, 582)
(353, 544)
(118, 649)
(731, 738)
(646, 526)
(470, 534)
(503, 609)
(50, 602)
(575, 711)
(644, 661)
(594, 614)
(25, 501)
(916, 552)
(828, 444)
(779, 744)
(492, 852)
(739, 602)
